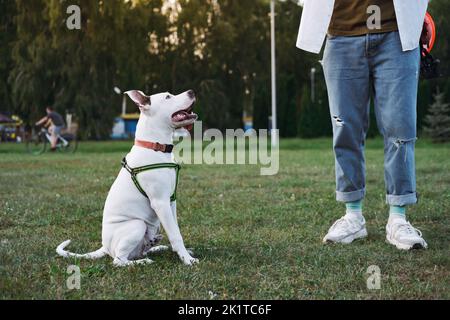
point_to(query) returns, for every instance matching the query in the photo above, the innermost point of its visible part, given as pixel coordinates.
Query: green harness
(134, 172)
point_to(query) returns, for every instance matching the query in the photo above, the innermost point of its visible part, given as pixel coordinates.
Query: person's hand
(426, 34)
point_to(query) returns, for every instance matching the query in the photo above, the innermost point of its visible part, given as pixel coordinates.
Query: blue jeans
(355, 69)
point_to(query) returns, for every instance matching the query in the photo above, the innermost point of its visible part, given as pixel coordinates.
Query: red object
(428, 33)
(166, 148)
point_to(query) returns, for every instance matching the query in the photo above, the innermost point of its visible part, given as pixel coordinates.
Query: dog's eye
(168, 97)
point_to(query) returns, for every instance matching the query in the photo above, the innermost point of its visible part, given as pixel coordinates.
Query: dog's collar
(166, 148)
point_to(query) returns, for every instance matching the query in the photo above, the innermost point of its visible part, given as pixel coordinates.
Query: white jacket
(317, 14)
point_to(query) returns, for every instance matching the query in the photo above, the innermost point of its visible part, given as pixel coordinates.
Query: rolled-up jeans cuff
(402, 200)
(350, 196)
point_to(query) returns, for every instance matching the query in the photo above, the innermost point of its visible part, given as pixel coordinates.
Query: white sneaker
(346, 229)
(404, 236)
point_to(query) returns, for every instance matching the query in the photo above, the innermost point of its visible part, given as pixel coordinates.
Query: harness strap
(134, 172)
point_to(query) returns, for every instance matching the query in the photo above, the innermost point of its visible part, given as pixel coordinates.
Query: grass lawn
(257, 237)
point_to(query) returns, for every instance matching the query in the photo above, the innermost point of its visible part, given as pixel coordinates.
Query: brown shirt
(350, 17)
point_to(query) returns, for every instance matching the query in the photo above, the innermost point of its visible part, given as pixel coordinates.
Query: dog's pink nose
(191, 94)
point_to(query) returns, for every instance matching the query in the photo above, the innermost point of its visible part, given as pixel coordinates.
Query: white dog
(135, 208)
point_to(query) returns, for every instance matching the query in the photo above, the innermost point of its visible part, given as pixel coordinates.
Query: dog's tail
(91, 255)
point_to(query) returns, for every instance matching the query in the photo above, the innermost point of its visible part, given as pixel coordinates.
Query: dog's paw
(143, 261)
(156, 249)
(126, 263)
(189, 261)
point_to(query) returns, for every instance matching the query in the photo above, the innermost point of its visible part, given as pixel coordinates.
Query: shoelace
(341, 223)
(406, 227)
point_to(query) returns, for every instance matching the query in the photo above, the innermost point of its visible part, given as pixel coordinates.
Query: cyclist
(56, 124)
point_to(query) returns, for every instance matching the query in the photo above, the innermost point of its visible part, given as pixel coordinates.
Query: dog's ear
(141, 100)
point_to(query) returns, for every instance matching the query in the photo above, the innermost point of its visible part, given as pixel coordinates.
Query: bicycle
(37, 142)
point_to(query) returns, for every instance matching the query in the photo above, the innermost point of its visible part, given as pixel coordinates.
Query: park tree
(32, 77)
(7, 36)
(237, 57)
(438, 121)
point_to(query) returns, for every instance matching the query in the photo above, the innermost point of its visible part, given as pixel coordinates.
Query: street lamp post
(274, 81)
(274, 69)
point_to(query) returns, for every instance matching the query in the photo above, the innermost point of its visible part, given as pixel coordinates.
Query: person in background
(56, 124)
(372, 50)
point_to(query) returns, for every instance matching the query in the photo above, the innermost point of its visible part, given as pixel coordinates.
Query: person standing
(372, 50)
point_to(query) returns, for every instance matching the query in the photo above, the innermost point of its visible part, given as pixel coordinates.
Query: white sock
(397, 213)
(354, 210)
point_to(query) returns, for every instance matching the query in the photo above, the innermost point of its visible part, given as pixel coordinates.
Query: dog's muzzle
(186, 117)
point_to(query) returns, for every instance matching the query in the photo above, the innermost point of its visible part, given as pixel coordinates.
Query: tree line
(219, 48)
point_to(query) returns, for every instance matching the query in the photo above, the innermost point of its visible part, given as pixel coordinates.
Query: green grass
(257, 237)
